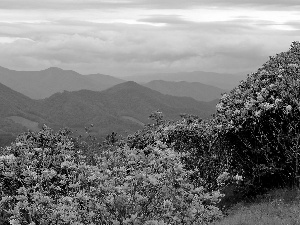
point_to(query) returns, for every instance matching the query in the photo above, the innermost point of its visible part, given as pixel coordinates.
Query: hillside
(122, 108)
(136, 98)
(196, 90)
(17, 113)
(44, 83)
(223, 81)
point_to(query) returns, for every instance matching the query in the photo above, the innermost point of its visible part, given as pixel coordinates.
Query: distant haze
(196, 90)
(44, 83)
(202, 86)
(135, 37)
(220, 80)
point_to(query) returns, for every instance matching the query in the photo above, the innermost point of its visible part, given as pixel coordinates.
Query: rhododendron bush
(45, 180)
(192, 135)
(259, 121)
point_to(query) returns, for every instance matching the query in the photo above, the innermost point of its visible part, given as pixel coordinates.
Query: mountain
(17, 114)
(44, 83)
(223, 81)
(122, 108)
(196, 90)
(137, 99)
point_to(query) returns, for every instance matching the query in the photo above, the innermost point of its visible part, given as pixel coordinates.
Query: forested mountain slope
(123, 108)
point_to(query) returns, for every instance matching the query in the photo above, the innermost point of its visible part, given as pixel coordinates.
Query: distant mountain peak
(60, 70)
(128, 84)
(125, 86)
(44, 83)
(54, 68)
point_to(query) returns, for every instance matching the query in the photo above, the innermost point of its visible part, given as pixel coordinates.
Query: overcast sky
(123, 37)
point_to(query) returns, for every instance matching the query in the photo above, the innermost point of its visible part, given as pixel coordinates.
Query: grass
(278, 207)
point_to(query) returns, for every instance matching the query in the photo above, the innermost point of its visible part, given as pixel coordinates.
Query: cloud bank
(142, 36)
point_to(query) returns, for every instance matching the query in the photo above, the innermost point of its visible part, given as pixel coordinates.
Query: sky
(135, 37)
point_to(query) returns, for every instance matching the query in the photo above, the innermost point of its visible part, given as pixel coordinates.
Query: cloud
(142, 36)
(62, 4)
(158, 4)
(166, 19)
(124, 49)
(179, 4)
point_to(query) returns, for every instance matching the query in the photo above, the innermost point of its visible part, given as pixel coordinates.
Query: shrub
(259, 122)
(198, 139)
(45, 180)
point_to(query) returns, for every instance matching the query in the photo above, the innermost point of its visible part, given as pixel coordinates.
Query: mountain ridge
(220, 80)
(196, 90)
(122, 109)
(42, 84)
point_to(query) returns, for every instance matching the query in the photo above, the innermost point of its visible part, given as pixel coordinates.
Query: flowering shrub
(259, 121)
(151, 185)
(191, 135)
(45, 180)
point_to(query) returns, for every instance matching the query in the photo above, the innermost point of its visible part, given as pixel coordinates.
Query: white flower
(238, 177)
(238, 91)
(257, 113)
(18, 144)
(38, 149)
(49, 173)
(222, 178)
(288, 108)
(260, 98)
(236, 112)
(267, 106)
(224, 96)
(8, 158)
(14, 222)
(272, 86)
(277, 101)
(219, 106)
(167, 203)
(219, 126)
(248, 105)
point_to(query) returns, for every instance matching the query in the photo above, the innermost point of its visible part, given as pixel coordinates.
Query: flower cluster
(259, 120)
(45, 180)
(274, 88)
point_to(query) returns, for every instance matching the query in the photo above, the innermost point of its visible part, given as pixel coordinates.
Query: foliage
(259, 122)
(45, 180)
(198, 139)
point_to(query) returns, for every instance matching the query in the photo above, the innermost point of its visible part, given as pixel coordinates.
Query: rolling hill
(196, 90)
(17, 114)
(123, 108)
(44, 83)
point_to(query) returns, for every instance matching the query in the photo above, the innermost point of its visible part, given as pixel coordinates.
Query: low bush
(45, 180)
